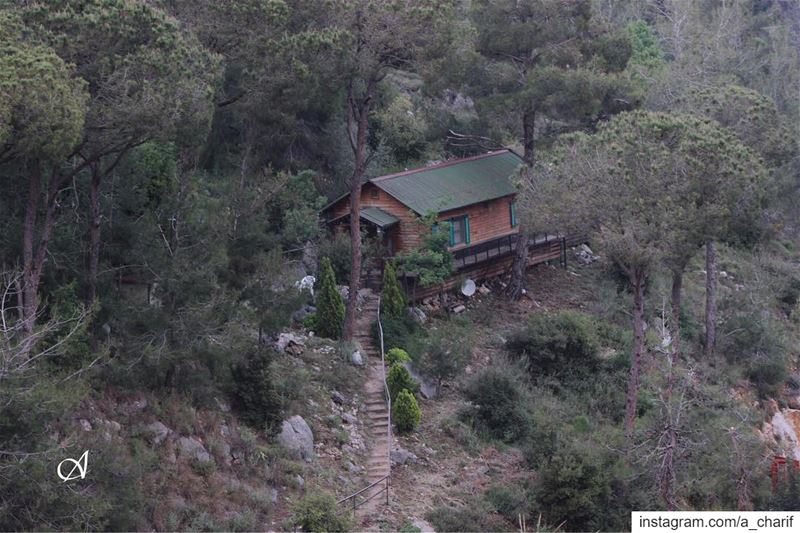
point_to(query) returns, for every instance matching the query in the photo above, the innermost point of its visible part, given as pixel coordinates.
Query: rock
(223, 406)
(483, 289)
(303, 312)
(356, 358)
(133, 407)
(401, 456)
(309, 259)
(193, 449)
(301, 483)
(352, 468)
(417, 314)
(426, 387)
(85, 425)
(297, 437)
(109, 425)
(348, 418)
(156, 432)
(273, 495)
(459, 309)
(306, 283)
(290, 343)
(337, 397)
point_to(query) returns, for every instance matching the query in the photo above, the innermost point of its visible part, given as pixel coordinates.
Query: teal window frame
(463, 222)
(512, 209)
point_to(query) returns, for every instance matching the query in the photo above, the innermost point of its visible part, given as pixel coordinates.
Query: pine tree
(330, 305)
(393, 301)
(406, 412)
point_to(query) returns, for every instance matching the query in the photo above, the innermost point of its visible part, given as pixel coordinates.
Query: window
(512, 208)
(459, 230)
(374, 193)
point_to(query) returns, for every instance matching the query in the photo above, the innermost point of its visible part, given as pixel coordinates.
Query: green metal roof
(453, 184)
(378, 216)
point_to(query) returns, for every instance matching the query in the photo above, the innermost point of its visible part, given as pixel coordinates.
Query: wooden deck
(494, 258)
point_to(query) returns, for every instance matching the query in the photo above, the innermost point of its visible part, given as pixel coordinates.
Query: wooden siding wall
(487, 220)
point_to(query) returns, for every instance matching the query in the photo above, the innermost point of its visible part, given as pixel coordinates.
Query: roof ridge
(439, 165)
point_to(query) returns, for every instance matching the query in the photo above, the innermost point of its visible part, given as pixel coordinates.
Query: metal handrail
(388, 434)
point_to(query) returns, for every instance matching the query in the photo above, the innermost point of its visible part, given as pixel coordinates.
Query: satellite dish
(468, 287)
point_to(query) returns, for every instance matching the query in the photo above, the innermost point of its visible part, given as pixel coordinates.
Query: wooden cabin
(475, 195)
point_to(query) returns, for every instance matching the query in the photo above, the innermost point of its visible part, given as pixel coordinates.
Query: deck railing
(353, 498)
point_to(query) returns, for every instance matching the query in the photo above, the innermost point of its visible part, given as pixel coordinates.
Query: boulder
(401, 456)
(303, 312)
(297, 437)
(356, 358)
(459, 309)
(417, 314)
(348, 418)
(337, 398)
(193, 449)
(290, 343)
(85, 425)
(426, 387)
(483, 289)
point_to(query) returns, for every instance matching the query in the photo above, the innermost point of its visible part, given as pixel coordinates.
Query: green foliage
(336, 247)
(498, 401)
(790, 296)
(563, 344)
(768, 374)
(475, 515)
(509, 501)
(446, 352)
(310, 322)
(393, 301)
(647, 58)
(399, 379)
(254, 395)
(330, 305)
(401, 331)
(405, 412)
(431, 263)
(318, 512)
(397, 356)
(295, 210)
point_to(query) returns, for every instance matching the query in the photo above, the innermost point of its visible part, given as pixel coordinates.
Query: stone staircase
(377, 414)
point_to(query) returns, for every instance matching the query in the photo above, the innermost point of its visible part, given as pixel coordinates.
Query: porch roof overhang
(375, 216)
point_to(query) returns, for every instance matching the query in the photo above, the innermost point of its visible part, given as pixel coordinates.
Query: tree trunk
(360, 111)
(528, 121)
(667, 471)
(677, 285)
(94, 234)
(711, 298)
(517, 282)
(638, 282)
(30, 280)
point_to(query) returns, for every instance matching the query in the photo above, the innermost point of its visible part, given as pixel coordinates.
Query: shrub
(498, 404)
(475, 515)
(393, 301)
(398, 378)
(310, 322)
(397, 355)
(508, 501)
(445, 355)
(317, 512)
(254, 395)
(562, 344)
(768, 374)
(337, 249)
(330, 305)
(401, 331)
(790, 296)
(405, 412)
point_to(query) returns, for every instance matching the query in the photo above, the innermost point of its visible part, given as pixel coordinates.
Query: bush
(254, 395)
(397, 355)
(405, 412)
(401, 331)
(330, 305)
(562, 344)
(508, 501)
(310, 322)
(498, 400)
(446, 354)
(768, 375)
(337, 249)
(474, 516)
(790, 296)
(393, 301)
(398, 378)
(317, 512)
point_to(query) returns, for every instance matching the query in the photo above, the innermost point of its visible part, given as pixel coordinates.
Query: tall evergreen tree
(330, 304)
(393, 301)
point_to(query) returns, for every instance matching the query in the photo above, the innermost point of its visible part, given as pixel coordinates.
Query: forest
(163, 167)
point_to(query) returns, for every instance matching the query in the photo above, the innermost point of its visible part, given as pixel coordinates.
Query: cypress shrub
(330, 304)
(397, 355)
(393, 301)
(398, 379)
(405, 412)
